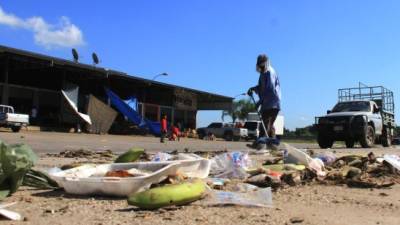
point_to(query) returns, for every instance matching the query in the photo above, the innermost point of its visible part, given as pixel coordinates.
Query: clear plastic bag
(161, 157)
(245, 195)
(231, 165)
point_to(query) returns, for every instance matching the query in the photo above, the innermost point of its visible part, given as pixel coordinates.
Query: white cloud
(64, 34)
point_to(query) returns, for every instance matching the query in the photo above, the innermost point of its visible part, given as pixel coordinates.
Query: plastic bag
(327, 157)
(296, 156)
(231, 165)
(393, 160)
(318, 167)
(245, 195)
(161, 157)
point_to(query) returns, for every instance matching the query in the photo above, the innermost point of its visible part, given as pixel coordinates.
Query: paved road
(45, 142)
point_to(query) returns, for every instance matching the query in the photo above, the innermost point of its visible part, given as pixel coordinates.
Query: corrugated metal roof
(107, 72)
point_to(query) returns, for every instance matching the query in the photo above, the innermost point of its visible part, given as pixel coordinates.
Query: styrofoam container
(193, 165)
(89, 179)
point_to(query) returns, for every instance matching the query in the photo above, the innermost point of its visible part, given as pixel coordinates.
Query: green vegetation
(239, 110)
(397, 131)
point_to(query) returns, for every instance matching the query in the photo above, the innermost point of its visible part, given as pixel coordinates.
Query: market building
(29, 80)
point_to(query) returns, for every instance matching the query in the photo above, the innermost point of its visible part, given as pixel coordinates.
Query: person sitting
(175, 133)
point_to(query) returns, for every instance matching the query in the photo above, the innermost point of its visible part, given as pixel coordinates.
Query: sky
(315, 46)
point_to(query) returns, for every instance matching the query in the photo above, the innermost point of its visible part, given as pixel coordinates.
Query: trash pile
(152, 181)
(296, 167)
(83, 153)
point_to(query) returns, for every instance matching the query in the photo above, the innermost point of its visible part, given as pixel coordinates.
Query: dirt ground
(310, 204)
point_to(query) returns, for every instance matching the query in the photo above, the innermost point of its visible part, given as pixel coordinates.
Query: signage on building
(185, 100)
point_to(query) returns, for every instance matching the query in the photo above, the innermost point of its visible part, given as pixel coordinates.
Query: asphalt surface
(53, 142)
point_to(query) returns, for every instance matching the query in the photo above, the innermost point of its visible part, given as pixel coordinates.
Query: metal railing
(381, 95)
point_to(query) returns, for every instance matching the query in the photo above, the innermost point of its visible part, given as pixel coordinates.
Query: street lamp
(242, 94)
(161, 74)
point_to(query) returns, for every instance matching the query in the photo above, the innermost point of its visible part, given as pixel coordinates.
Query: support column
(35, 102)
(185, 118)
(5, 94)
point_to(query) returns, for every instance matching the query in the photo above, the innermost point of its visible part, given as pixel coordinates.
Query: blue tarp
(127, 109)
(132, 102)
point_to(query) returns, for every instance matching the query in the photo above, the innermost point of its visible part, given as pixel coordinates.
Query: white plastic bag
(393, 160)
(231, 165)
(246, 195)
(296, 156)
(161, 157)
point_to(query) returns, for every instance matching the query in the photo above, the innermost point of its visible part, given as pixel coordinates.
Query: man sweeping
(269, 92)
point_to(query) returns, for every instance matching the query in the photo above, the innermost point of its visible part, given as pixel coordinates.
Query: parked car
(223, 130)
(396, 141)
(12, 120)
(363, 114)
(254, 126)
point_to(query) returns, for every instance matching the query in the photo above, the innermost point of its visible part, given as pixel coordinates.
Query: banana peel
(130, 156)
(174, 194)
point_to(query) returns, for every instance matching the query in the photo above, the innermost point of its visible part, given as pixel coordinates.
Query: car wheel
(324, 141)
(16, 128)
(368, 139)
(349, 143)
(236, 138)
(228, 136)
(201, 134)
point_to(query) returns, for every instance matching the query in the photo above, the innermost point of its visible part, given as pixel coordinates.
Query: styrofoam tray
(193, 165)
(89, 179)
(80, 180)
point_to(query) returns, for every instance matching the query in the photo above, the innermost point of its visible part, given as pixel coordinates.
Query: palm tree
(239, 110)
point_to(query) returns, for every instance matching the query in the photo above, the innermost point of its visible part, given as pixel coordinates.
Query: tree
(239, 110)
(397, 131)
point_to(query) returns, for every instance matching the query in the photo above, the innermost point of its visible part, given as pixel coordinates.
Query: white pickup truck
(226, 131)
(254, 126)
(12, 120)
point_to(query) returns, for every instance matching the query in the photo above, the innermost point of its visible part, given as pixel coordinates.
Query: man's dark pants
(163, 134)
(269, 117)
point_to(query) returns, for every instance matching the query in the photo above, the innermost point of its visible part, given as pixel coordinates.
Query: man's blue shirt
(269, 90)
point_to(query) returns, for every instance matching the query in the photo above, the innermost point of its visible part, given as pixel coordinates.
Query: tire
(368, 139)
(236, 138)
(324, 141)
(350, 143)
(201, 134)
(386, 138)
(15, 129)
(228, 136)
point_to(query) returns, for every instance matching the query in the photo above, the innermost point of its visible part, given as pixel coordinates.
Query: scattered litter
(296, 220)
(83, 153)
(90, 179)
(131, 155)
(8, 214)
(217, 183)
(161, 157)
(296, 156)
(318, 167)
(393, 160)
(249, 195)
(38, 179)
(327, 157)
(231, 165)
(175, 194)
